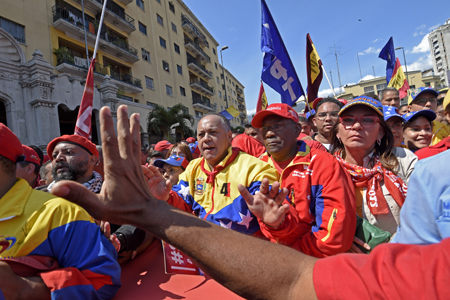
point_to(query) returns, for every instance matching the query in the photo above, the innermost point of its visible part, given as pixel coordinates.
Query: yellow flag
(233, 111)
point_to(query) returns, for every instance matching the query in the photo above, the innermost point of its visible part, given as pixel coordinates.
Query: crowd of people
(310, 182)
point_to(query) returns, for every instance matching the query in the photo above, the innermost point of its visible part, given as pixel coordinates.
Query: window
(145, 55)
(381, 87)
(233, 83)
(369, 89)
(160, 20)
(177, 48)
(152, 105)
(159, 1)
(215, 65)
(218, 79)
(140, 3)
(229, 80)
(234, 93)
(214, 51)
(14, 29)
(179, 70)
(220, 94)
(221, 108)
(142, 28)
(162, 42)
(198, 114)
(172, 7)
(174, 28)
(149, 83)
(166, 66)
(228, 88)
(136, 100)
(226, 78)
(169, 90)
(182, 91)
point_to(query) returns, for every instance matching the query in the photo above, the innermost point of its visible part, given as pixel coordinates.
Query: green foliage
(63, 55)
(160, 118)
(239, 129)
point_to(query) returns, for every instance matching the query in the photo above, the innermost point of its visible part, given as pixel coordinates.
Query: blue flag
(278, 71)
(388, 54)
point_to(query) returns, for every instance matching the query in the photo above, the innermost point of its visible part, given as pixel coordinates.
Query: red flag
(314, 70)
(83, 125)
(262, 99)
(398, 80)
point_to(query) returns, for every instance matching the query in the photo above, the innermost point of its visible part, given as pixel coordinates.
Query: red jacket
(322, 217)
(442, 146)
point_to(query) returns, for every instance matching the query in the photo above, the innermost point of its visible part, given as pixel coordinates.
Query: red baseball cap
(75, 140)
(31, 155)
(190, 140)
(316, 101)
(11, 147)
(162, 145)
(279, 109)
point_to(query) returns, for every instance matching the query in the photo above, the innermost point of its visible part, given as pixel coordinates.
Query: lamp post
(223, 75)
(404, 58)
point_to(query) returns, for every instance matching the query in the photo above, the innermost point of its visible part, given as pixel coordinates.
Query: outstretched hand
(158, 185)
(267, 204)
(124, 178)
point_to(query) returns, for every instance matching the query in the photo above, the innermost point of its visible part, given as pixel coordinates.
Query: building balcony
(126, 2)
(77, 66)
(69, 20)
(195, 49)
(114, 13)
(239, 98)
(242, 116)
(192, 30)
(203, 105)
(198, 68)
(241, 107)
(239, 90)
(201, 87)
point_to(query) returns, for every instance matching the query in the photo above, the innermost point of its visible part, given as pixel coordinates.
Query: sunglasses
(366, 122)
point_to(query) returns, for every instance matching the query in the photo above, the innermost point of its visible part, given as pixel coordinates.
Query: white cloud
(251, 112)
(424, 46)
(376, 40)
(420, 30)
(367, 77)
(434, 27)
(423, 63)
(370, 50)
(329, 92)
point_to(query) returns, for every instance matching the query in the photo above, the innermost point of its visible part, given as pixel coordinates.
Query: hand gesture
(267, 205)
(158, 185)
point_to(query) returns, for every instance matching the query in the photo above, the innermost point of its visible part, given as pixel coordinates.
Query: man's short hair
(372, 95)
(7, 166)
(225, 122)
(37, 167)
(248, 125)
(154, 153)
(302, 119)
(387, 89)
(43, 172)
(329, 99)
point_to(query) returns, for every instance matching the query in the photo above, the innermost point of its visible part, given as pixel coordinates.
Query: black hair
(328, 99)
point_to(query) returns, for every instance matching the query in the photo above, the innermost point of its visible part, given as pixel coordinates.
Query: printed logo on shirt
(225, 190)
(6, 242)
(200, 186)
(446, 209)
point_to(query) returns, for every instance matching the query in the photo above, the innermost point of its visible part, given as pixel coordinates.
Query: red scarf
(218, 168)
(371, 178)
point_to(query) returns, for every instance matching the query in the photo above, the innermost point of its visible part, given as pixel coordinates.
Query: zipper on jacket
(330, 224)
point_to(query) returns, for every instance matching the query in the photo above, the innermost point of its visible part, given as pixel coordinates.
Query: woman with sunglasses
(364, 145)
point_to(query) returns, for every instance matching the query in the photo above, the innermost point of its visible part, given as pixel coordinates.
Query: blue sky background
(237, 24)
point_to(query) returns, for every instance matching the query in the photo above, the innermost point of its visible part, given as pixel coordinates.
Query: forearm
(33, 288)
(233, 259)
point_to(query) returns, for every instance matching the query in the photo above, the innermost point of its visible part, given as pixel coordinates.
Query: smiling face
(418, 133)
(213, 139)
(358, 137)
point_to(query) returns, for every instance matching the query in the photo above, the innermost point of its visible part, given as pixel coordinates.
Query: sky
(342, 28)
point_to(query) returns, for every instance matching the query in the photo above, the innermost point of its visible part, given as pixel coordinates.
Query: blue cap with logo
(427, 113)
(391, 111)
(177, 161)
(364, 100)
(419, 91)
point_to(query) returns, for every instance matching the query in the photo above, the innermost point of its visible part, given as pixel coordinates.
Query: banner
(398, 80)
(388, 54)
(83, 125)
(314, 70)
(278, 71)
(230, 113)
(261, 104)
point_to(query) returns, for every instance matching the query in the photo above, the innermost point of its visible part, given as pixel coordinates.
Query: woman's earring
(379, 142)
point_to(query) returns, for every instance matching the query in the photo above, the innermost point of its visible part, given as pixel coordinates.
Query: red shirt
(433, 150)
(391, 271)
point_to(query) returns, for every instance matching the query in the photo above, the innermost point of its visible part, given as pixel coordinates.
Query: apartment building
(439, 40)
(150, 52)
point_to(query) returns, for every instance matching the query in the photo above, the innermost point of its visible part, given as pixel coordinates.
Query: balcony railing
(192, 60)
(118, 11)
(128, 78)
(119, 42)
(240, 98)
(203, 86)
(239, 90)
(186, 22)
(202, 54)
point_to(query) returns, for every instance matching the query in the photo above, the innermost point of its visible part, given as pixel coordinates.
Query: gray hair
(387, 90)
(225, 122)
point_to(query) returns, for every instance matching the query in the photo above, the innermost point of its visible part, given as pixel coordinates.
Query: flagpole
(99, 29)
(323, 68)
(85, 34)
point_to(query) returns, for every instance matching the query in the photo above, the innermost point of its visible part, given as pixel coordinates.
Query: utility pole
(337, 64)
(332, 83)
(360, 74)
(374, 72)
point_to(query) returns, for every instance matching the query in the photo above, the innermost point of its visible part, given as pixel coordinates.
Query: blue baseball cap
(310, 113)
(427, 113)
(419, 91)
(391, 111)
(177, 161)
(364, 100)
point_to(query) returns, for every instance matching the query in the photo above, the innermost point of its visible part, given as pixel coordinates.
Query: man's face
(441, 96)
(48, 170)
(280, 136)
(425, 100)
(403, 110)
(213, 139)
(391, 98)
(395, 124)
(255, 133)
(440, 113)
(326, 117)
(306, 127)
(70, 162)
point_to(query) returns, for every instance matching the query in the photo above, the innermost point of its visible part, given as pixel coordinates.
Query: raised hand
(267, 205)
(158, 185)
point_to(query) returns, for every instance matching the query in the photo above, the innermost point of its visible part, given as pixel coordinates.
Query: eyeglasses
(275, 127)
(366, 122)
(424, 101)
(323, 115)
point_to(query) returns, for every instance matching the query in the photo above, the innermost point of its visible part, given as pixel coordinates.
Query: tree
(160, 117)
